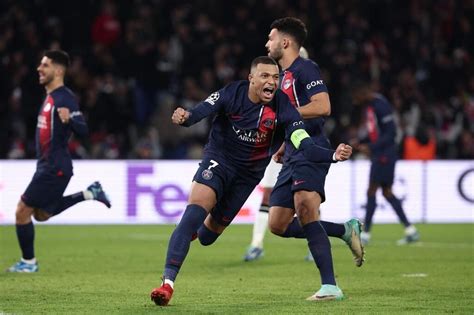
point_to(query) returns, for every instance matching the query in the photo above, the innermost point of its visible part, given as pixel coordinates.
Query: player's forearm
(79, 126)
(313, 152)
(198, 113)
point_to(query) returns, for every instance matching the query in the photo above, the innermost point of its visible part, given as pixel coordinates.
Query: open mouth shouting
(268, 92)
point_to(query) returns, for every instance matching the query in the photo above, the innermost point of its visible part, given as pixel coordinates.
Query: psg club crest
(268, 123)
(286, 84)
(47, 107)
(207, 174)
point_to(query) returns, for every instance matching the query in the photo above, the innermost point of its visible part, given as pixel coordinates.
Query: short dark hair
(293, 27)
(58, 56)
(263, 59)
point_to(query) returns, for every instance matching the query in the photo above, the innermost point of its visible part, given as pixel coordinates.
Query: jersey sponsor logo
(42, 123)
(286, 84)
(207, 174)
(47, 107)
(297, 123)
(252, 136)
(314, 83)
(212, 99)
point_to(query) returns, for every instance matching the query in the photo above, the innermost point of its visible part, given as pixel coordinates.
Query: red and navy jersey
(381, 128)
(300, 82)
(243, 133)
(52, 135)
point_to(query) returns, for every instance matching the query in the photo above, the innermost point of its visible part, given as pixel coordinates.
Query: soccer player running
(252, 119)
(381, 146)
(58, 117)
(300, 186)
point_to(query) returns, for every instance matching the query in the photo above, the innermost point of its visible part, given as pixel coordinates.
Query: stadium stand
(134, 61)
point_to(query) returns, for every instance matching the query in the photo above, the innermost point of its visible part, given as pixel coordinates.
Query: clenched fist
(180, 115)
(343, 152)
(64, 114)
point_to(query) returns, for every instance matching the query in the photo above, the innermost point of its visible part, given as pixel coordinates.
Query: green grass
(112, 269)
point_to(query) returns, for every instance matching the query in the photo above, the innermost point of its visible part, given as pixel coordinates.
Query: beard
(46, 80)
(277, 54)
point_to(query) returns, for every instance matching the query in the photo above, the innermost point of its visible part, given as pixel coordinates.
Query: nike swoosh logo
(297, 182)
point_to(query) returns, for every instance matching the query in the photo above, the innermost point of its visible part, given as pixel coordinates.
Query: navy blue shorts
(232, 188)
(382, 172)
(45, 191)
(301, 175)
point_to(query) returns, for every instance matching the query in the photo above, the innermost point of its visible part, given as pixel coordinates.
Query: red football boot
(162, 295)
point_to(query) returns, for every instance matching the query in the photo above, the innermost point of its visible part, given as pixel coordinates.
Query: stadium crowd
(134, 61)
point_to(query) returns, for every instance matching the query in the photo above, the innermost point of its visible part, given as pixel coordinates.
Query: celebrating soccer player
(59, 116)
(300, 186)
(252, 119)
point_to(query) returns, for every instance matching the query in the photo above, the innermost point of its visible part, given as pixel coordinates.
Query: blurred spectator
(134, 61)
(421, 146)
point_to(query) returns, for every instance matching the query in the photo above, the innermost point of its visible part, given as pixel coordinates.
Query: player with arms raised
(59, 116)
(252, 119)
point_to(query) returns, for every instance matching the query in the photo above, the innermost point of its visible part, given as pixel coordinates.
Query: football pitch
(112, 269)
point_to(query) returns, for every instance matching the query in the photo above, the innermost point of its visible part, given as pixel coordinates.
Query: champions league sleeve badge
(207, 174)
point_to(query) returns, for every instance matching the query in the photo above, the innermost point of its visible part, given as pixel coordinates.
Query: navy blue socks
(180, 240)
(68, 201)
(332, 229)
(294, 230)
(318, 243)
(206, 236)
(369, 213)
(397, 206)
(26, 238)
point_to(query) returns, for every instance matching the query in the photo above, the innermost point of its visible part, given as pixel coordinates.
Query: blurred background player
(379, 143)
(255, 250)
(252, 119)
(59, 116)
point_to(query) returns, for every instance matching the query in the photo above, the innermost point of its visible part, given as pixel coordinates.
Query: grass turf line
(112, 269)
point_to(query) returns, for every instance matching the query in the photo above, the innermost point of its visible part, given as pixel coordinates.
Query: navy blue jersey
(381, 128)
(52, 135)
(300, 82)
(243, 133)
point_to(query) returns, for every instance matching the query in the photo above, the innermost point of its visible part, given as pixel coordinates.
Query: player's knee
(387, 192)
(371, 193)
(23, 213)
(372, 190)
(41, 215)
(277, 228)
(306, 213)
